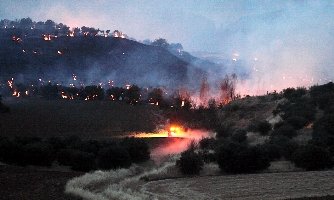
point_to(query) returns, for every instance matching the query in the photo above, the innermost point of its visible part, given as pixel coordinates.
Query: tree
(132, 95)
(227, 89)
(190, 162)
(312, 157)
(115, 93)
(26, 23)
(155, 96)
(113, 157)
(204, 92)
(160, 43)
(239, 158)
(50, 26)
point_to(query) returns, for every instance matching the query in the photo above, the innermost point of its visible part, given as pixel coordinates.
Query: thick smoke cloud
(270, 44)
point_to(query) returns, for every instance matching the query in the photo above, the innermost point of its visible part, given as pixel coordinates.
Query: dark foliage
(324, 129)
(113, 157)
(293, 94)
(312, 157)
(208, 156)
(207, 143)
(224, 130)
(263, 127)
(239, 136)
(83, 161)
(78, 160)
(323, 95)
(190, 163)
(297, 122)
(137, 148)
(272, 151)
(38, 153)
(11, 152)
(285, 145)
(237, 158)
(3, 107)
(285, 130)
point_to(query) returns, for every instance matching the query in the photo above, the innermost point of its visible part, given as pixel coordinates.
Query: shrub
(38, 153)
(224, 130)
(78, 160)
(83, 161)
(286, 146)
(208, 156)
(11, 152)
(113, 157)
(190, 163)
(293, 94)
(64, 156)
(285, 130)
(24, 140)
(56, 143)
(260, 126)
(272, 151)
(207, 143)
(89, 146)
(238, 158)
(297, 122)
(137, 148)
(239, 136)
(264, 127)
(312, 157)
(4, 108)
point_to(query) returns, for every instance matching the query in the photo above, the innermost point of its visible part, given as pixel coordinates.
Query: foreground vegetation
(80, 155)
(300, 110)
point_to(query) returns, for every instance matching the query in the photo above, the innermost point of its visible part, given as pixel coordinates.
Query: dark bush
(4, 108)
(237, 158)
(239, 136)
(113, 157)
(56, 143)
(64, 156)
(24, 140)
(72, 141)
(286, 146)
(208, 156)
(224, 130)
(89, 146)
(138, 149)
(312, 157)
(272, 151)
(190, 163)
(260, 126)
(285, 130)
(297, 122)
(78, 160)
(326, 124)
(83, 161)
(39, 153)
(293, 94)
(207, 143)
(264, 127)
(11, 152)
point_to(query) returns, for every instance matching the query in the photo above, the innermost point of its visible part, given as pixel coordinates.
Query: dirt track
(253, 186)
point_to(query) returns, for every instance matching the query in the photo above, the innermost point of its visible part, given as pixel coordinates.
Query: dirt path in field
(253, 186)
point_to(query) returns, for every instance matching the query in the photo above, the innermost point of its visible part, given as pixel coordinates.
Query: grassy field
(252, 186)
(93, 119)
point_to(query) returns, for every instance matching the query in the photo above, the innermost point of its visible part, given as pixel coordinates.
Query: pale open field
(244, 187)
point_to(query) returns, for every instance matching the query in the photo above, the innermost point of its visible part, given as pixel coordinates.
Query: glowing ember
(47, 37)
